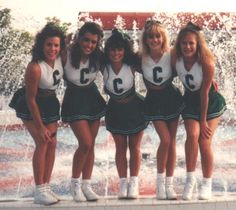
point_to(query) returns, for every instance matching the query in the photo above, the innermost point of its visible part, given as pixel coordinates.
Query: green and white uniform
(192, 81)
(82, 100)
(165, 103)
(127, 117)
(46, 99)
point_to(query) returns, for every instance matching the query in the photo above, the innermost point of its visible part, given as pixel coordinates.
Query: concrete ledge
(111, 203)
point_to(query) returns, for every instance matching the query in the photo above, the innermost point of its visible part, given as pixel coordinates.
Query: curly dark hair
(75, 51)
(49, 30)
(119, 39)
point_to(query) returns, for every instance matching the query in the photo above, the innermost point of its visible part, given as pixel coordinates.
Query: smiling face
(88, 43)
(154, 41)
(116, 55)
(188, 45)
(154, 38)
(51, 49)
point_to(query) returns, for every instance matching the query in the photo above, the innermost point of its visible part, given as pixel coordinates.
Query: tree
(64, 26)
(15, 47)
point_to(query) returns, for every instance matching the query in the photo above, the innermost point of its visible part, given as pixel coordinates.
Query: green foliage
(64, 26)
(5, 18)
(15, 47)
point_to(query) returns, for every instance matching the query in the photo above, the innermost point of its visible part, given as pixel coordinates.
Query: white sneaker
(48, 187)
(170, 192)
(43, 197)
(161, 189)
(123, 192)
(133, 188)
(205, 191)
(189, 188)
(89, 194)
(76, 191)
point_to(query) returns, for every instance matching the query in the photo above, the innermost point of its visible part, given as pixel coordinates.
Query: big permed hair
(50, 30)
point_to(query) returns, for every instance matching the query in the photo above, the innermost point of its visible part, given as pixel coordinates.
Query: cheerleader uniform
(48, 103)
(163, 100)
(125, 107)
(82, 100)
(192, 81)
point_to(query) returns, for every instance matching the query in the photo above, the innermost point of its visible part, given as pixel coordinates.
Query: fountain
(16, 146)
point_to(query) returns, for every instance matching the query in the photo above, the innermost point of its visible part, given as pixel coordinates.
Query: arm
(32, 77)
(215, 85)
(102, 62)
(68, 42)
(208, 73)
(137, 66)
(63, 57)
(173, 60)
(64, 52)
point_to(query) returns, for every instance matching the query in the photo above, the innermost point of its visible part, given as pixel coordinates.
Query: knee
(192, 136)
(86, 146)
(165, 142)
(44, 146)
(52, 144)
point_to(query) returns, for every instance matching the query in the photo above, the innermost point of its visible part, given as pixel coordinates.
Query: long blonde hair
(204, 54)
(152, 27)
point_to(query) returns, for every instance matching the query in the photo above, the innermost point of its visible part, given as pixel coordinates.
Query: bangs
(155, 29)
(116, 44)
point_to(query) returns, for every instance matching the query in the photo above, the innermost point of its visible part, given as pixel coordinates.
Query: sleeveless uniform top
(158, 73)
(50, 77)
(123, 118)
(46, 99)
(191, 79)
(119, 85)
(81, 76)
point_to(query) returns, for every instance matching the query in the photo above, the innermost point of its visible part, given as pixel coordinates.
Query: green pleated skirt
(192, 110)
(49, 107)
(166, 104)
(125, 118)
(82, 104)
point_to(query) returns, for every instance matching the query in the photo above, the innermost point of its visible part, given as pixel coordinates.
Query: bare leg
(42, 162)
(82, 132)
(50, 155)
(88, 168)
(206, 150)
(135, 154)
(120, 157)
(162, 151)
(191, 145)
(171, 161)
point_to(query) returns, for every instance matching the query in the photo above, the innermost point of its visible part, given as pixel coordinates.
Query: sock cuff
(191, 174)
(75, 179)
(208, 180)
(134, 177)
(169, 179)
(160, 175)
(86, 181)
